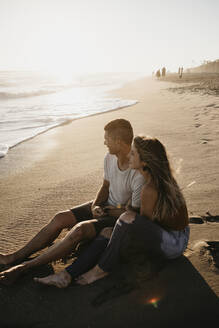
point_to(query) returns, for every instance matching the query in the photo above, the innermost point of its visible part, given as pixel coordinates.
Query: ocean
(34, 102)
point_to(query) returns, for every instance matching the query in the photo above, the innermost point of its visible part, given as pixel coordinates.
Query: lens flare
(154, 302)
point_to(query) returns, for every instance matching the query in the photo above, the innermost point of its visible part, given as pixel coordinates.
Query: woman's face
(134, 159)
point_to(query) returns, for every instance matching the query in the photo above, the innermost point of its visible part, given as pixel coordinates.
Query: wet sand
(64, 167)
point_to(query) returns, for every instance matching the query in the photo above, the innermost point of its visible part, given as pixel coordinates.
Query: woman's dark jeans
(156, 240)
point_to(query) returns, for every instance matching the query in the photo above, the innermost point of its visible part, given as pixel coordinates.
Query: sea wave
(31, 93)
(24, 114)
(3, 150)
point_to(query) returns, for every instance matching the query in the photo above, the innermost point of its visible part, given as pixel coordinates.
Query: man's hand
(97, 212)
(114, 211)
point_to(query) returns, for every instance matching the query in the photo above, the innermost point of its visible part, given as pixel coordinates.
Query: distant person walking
(180, 72)
(163, 72)
(158, 74)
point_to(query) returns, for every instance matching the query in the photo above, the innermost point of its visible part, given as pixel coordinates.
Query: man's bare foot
(6, 259)
(9, 276)
(61, 279)
(94, 274)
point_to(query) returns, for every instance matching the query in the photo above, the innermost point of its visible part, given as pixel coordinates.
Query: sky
(92, 36)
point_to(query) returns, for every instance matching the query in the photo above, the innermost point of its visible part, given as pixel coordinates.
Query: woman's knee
(83, 230)
(77, 233)
(127, 217)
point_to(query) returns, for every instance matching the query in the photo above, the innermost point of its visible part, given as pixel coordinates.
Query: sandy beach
(64, 167)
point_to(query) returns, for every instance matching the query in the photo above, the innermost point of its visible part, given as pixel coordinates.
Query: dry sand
(63, 167)
(204, 83)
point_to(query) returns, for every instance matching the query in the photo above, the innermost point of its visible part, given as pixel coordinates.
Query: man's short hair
(120, 128)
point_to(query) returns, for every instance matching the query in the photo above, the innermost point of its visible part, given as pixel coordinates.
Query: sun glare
(106, 36)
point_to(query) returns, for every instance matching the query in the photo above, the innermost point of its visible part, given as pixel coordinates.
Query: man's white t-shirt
(124, 185)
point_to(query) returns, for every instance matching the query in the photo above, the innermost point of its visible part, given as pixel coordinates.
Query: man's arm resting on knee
(100, 199)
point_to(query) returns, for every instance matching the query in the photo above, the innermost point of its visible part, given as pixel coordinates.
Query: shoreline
(5, 146)
(4, 166)
(65, 123)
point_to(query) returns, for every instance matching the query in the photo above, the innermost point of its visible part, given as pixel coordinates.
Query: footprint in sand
(210, 105)
(196, 219)
(208, 252)
(213, 117)
(204, 218)
(197, 116)
(205, 140)
(197, 125)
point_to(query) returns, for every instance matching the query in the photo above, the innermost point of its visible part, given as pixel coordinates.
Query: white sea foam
(3, 150)
(31, 103)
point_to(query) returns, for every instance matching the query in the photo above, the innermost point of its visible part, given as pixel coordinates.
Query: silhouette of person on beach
(180, 72)
(158, 74)
(161, 225)
(163, 72)
(121, 188)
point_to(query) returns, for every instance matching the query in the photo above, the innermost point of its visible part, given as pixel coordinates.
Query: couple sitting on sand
(139, 195)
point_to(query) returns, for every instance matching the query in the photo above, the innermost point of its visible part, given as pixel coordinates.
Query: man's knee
(127, 217)
(63, 220)
(106, 232)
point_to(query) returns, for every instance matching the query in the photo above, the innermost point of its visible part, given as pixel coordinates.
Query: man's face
(111, 142)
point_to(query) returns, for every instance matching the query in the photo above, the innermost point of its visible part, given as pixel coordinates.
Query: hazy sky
(107, 35)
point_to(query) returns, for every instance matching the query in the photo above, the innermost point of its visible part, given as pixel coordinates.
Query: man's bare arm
(100, 199)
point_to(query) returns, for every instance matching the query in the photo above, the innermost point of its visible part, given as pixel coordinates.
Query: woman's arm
(148, 201)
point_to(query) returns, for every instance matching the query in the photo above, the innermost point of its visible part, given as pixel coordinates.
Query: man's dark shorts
(83, 213)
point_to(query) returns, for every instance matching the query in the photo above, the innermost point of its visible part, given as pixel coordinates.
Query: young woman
(162, 224)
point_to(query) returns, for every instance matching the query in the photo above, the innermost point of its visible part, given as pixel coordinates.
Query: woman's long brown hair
(170, 198)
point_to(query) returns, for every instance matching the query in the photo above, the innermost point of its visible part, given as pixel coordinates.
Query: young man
(121, 187)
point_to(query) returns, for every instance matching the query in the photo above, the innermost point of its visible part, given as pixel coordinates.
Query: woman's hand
(128, 216)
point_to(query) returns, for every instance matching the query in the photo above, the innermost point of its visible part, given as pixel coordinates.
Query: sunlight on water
(33, 102)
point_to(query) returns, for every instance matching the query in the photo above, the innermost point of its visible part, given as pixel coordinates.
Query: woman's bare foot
(61, 279)
(94, 274)
(9, 276)
(6, 259)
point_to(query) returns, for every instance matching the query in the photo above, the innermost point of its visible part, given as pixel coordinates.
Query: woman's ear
(144, 166)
